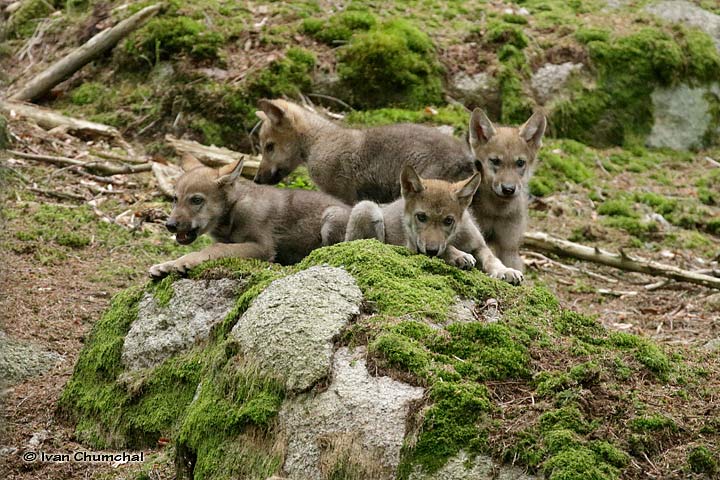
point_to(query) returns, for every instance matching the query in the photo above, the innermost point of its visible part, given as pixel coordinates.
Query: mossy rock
(618, 109)
(594, 394)
(391, 65)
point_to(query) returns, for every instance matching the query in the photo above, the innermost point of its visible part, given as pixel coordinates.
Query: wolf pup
(248, 220)
(432, 218)
(353, 164)
(505, 157)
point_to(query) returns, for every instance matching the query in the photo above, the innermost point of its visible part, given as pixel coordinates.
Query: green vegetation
(392, 65)
(702, 460)
(163, 38)
(340, 27)
(618, 110)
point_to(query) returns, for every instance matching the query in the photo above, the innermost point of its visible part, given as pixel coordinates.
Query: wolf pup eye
(449, 221)
(495, 161)
(520, 162)
(422, 218)
(269, 147)
(197, 200)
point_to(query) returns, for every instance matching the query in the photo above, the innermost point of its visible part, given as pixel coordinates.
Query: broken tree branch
(101, 168)
(545, 243)
(48, 119)
(214, 156)
(76, 59)
(166, 176)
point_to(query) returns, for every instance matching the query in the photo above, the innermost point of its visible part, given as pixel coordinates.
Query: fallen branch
(215, 156)
(545, 243)
(102, 168)
(60, 195)
(64, 68)
(49, 119)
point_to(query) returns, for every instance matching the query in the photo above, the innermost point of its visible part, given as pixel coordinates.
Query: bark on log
(101, 168)
(65, 67)
(214, 156)
(166, 176)
(49, 119)
(543, 242)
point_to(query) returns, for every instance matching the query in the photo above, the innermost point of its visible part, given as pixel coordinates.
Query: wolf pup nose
(171, 225)
(507, 190)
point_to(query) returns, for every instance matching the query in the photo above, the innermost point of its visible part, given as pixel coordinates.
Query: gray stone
(680, 11)
(359, 417)
(482, 467)
(162, 331)
(20, 360)
(290, 327)
(682, 116)
(476, 89)
(550, 79)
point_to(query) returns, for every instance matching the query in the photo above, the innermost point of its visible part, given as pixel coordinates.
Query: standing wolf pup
(353, 164)
(248, 220)
(431, 217)
(505, 156)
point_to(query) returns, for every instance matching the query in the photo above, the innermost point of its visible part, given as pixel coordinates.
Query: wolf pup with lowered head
(353, 164)
(505, 156)
(248, 220)
(431, 218)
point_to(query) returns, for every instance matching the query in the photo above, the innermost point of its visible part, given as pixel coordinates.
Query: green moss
(587, 35)
(517, 105)
(392, 65)
(87, 93)
(455, 115)
(645, 352)
(560, 162)
(164, 37)
(617, 208)
(401, 352)
(23, 22)
(506, 33)
(618, 109)
(652, 423)
(701, 460)
(163, 290)
(340, 27)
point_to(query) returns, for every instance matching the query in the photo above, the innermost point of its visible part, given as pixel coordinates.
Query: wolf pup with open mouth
(431, 218)
(248, 220)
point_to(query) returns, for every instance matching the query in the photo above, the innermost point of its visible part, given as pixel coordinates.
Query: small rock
(682, 116)
(550, 79)
(162, 331)
(481, 467)
(38, 438)
(478, 89)
(290, 327)
(359, 417)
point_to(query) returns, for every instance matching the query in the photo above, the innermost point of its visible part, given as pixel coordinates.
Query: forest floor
(64, 258)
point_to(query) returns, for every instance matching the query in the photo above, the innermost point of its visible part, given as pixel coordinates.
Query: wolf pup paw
(182, 265)
(510, 275)
(463, 261)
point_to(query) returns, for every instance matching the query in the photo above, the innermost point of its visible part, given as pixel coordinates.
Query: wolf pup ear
(534, 129)
(466, 189)
(273, 111)
(189, 162)
(230, 173)
(481, 128)
(410, 181)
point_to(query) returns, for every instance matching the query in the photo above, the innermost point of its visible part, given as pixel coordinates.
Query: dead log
(65, 67)
(49, 119)
(213, 156)
(101, 168)
(166, 176)
(543, 242)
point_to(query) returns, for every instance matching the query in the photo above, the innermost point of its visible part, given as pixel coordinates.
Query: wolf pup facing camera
(353, 164)
(432, 218)
(248, 220)
(505, 156)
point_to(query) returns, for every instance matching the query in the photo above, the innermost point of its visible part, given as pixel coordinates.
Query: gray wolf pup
(353, 164)
(248, 220)
(505, 157)
(431, 217)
